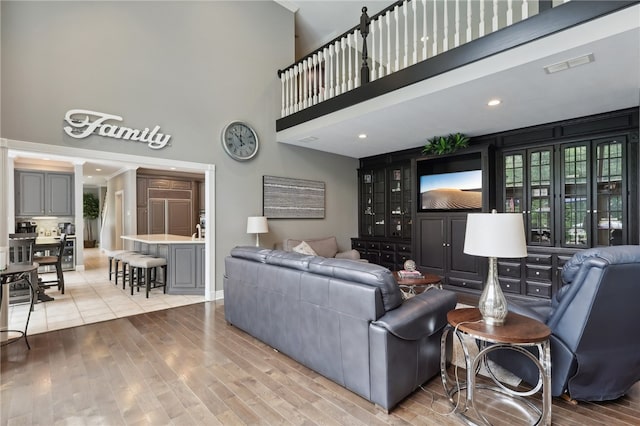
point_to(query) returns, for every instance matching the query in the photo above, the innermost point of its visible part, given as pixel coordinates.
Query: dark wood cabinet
(441, 250)
(390, 254)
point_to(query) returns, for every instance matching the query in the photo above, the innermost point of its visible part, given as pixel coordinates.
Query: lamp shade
(257, 225)
(495, 235)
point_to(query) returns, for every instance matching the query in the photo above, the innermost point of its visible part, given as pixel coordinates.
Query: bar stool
(55, 260)
(119, 256)
(143, 271)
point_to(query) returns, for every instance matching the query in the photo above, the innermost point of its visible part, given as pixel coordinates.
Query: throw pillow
(304, 248)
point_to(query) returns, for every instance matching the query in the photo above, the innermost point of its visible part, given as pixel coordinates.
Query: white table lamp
(494, 235)
(257, 225)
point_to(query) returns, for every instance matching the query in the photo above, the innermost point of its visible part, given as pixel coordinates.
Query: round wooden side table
(412, 286)
(517, 334)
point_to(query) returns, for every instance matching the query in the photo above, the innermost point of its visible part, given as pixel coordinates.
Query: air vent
(570, 63)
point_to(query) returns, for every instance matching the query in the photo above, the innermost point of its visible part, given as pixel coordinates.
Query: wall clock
(240, 141)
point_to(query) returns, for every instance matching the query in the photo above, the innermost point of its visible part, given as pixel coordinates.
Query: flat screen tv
(450, 185)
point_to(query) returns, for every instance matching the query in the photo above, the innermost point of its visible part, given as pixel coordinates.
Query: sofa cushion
(363, 273)
(325, 247)
(304, 248)
(289, 259)
(612, 255)
(257, 254)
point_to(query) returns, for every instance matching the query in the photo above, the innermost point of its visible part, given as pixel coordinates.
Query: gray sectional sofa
(344, 319)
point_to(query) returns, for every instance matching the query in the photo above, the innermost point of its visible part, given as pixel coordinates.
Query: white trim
(62, 152)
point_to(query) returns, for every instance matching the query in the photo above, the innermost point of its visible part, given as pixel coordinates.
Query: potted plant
(90, 212)
(445, 144)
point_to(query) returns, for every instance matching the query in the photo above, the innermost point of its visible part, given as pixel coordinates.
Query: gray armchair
(595, 346)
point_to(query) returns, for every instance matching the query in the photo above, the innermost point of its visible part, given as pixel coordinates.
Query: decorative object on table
(409, 265)
(494, 235)
(240, 141)
(257, 225)
(285, 198)
(90, 212)
(410, 274)
(440, 145)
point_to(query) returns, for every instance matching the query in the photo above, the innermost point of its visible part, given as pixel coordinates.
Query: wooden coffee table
(412, 286)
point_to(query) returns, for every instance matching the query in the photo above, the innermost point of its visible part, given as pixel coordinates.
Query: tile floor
(90, 297)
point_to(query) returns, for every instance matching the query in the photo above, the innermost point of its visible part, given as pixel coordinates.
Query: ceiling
(457, 101)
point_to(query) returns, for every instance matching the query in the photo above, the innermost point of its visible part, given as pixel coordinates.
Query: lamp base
(492, 303)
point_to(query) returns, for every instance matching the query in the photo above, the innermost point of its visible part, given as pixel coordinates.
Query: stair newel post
(364, 30)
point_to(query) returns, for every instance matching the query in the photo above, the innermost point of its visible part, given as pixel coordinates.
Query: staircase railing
(403, 34)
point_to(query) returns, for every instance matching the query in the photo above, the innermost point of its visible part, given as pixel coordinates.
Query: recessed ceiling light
(46, 159)
(362, 135)
(172, 168)
(494, 102)
(89, 177)
(98, 170)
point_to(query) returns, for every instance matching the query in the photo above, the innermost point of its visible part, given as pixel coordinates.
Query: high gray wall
(190, 67)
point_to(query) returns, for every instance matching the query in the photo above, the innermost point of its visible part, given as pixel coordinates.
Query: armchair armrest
(538, 310)
(419, 316)
(349, 254)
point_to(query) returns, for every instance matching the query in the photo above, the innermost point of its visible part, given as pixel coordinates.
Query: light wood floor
(186, 366)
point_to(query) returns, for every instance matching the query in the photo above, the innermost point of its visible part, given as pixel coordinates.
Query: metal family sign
(83, 123)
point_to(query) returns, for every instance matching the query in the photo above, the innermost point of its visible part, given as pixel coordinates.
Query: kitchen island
(185, 259)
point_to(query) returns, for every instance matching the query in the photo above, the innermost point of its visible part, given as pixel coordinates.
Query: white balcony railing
(402, 35)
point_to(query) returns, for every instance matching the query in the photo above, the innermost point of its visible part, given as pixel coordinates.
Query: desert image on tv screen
(451, 191)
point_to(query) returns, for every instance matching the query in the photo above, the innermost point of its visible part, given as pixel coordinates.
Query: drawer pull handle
(537, 273)
(508, 269)
(537, 290)
(508, 285)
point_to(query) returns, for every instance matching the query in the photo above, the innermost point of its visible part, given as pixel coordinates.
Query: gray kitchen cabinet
(41, 193)
(200, 262)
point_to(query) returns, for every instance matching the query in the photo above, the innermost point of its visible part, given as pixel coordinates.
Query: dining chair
(53, 259)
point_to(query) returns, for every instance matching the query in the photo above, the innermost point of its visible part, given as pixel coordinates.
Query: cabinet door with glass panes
(372, 202)
(593, 188)
(609, 209)
(400, 201)
(528, 189)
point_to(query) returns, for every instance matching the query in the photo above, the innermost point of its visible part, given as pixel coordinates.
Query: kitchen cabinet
(441, 250)
(41, 193)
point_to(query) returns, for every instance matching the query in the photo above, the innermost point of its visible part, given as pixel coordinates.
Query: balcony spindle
(343, 52)
(304, 83)
(469, 32)
(494, 21)
(481, 24)
(525, 9)
(295, 88)
(283, 86)
(456, 37)
(405, 11)
(314, 81)
(415, 33)
(425, 31)
(397, 23)
(445, 39)
(350, 54)
(356, 78)
(434, 48)
(332, 92)
(388, 19)
(290, 90)
(322, 63)
(381, 69)
(509, 12)
(374, 74)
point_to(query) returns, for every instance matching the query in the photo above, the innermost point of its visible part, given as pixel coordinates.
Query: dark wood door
(157, 216)
(431, 250)
(179, 217)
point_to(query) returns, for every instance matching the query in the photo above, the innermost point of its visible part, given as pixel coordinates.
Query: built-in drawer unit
(510, 285)
(539, 273)
(538, 289)
(461, 282)
(390, 254)
(509, 269)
